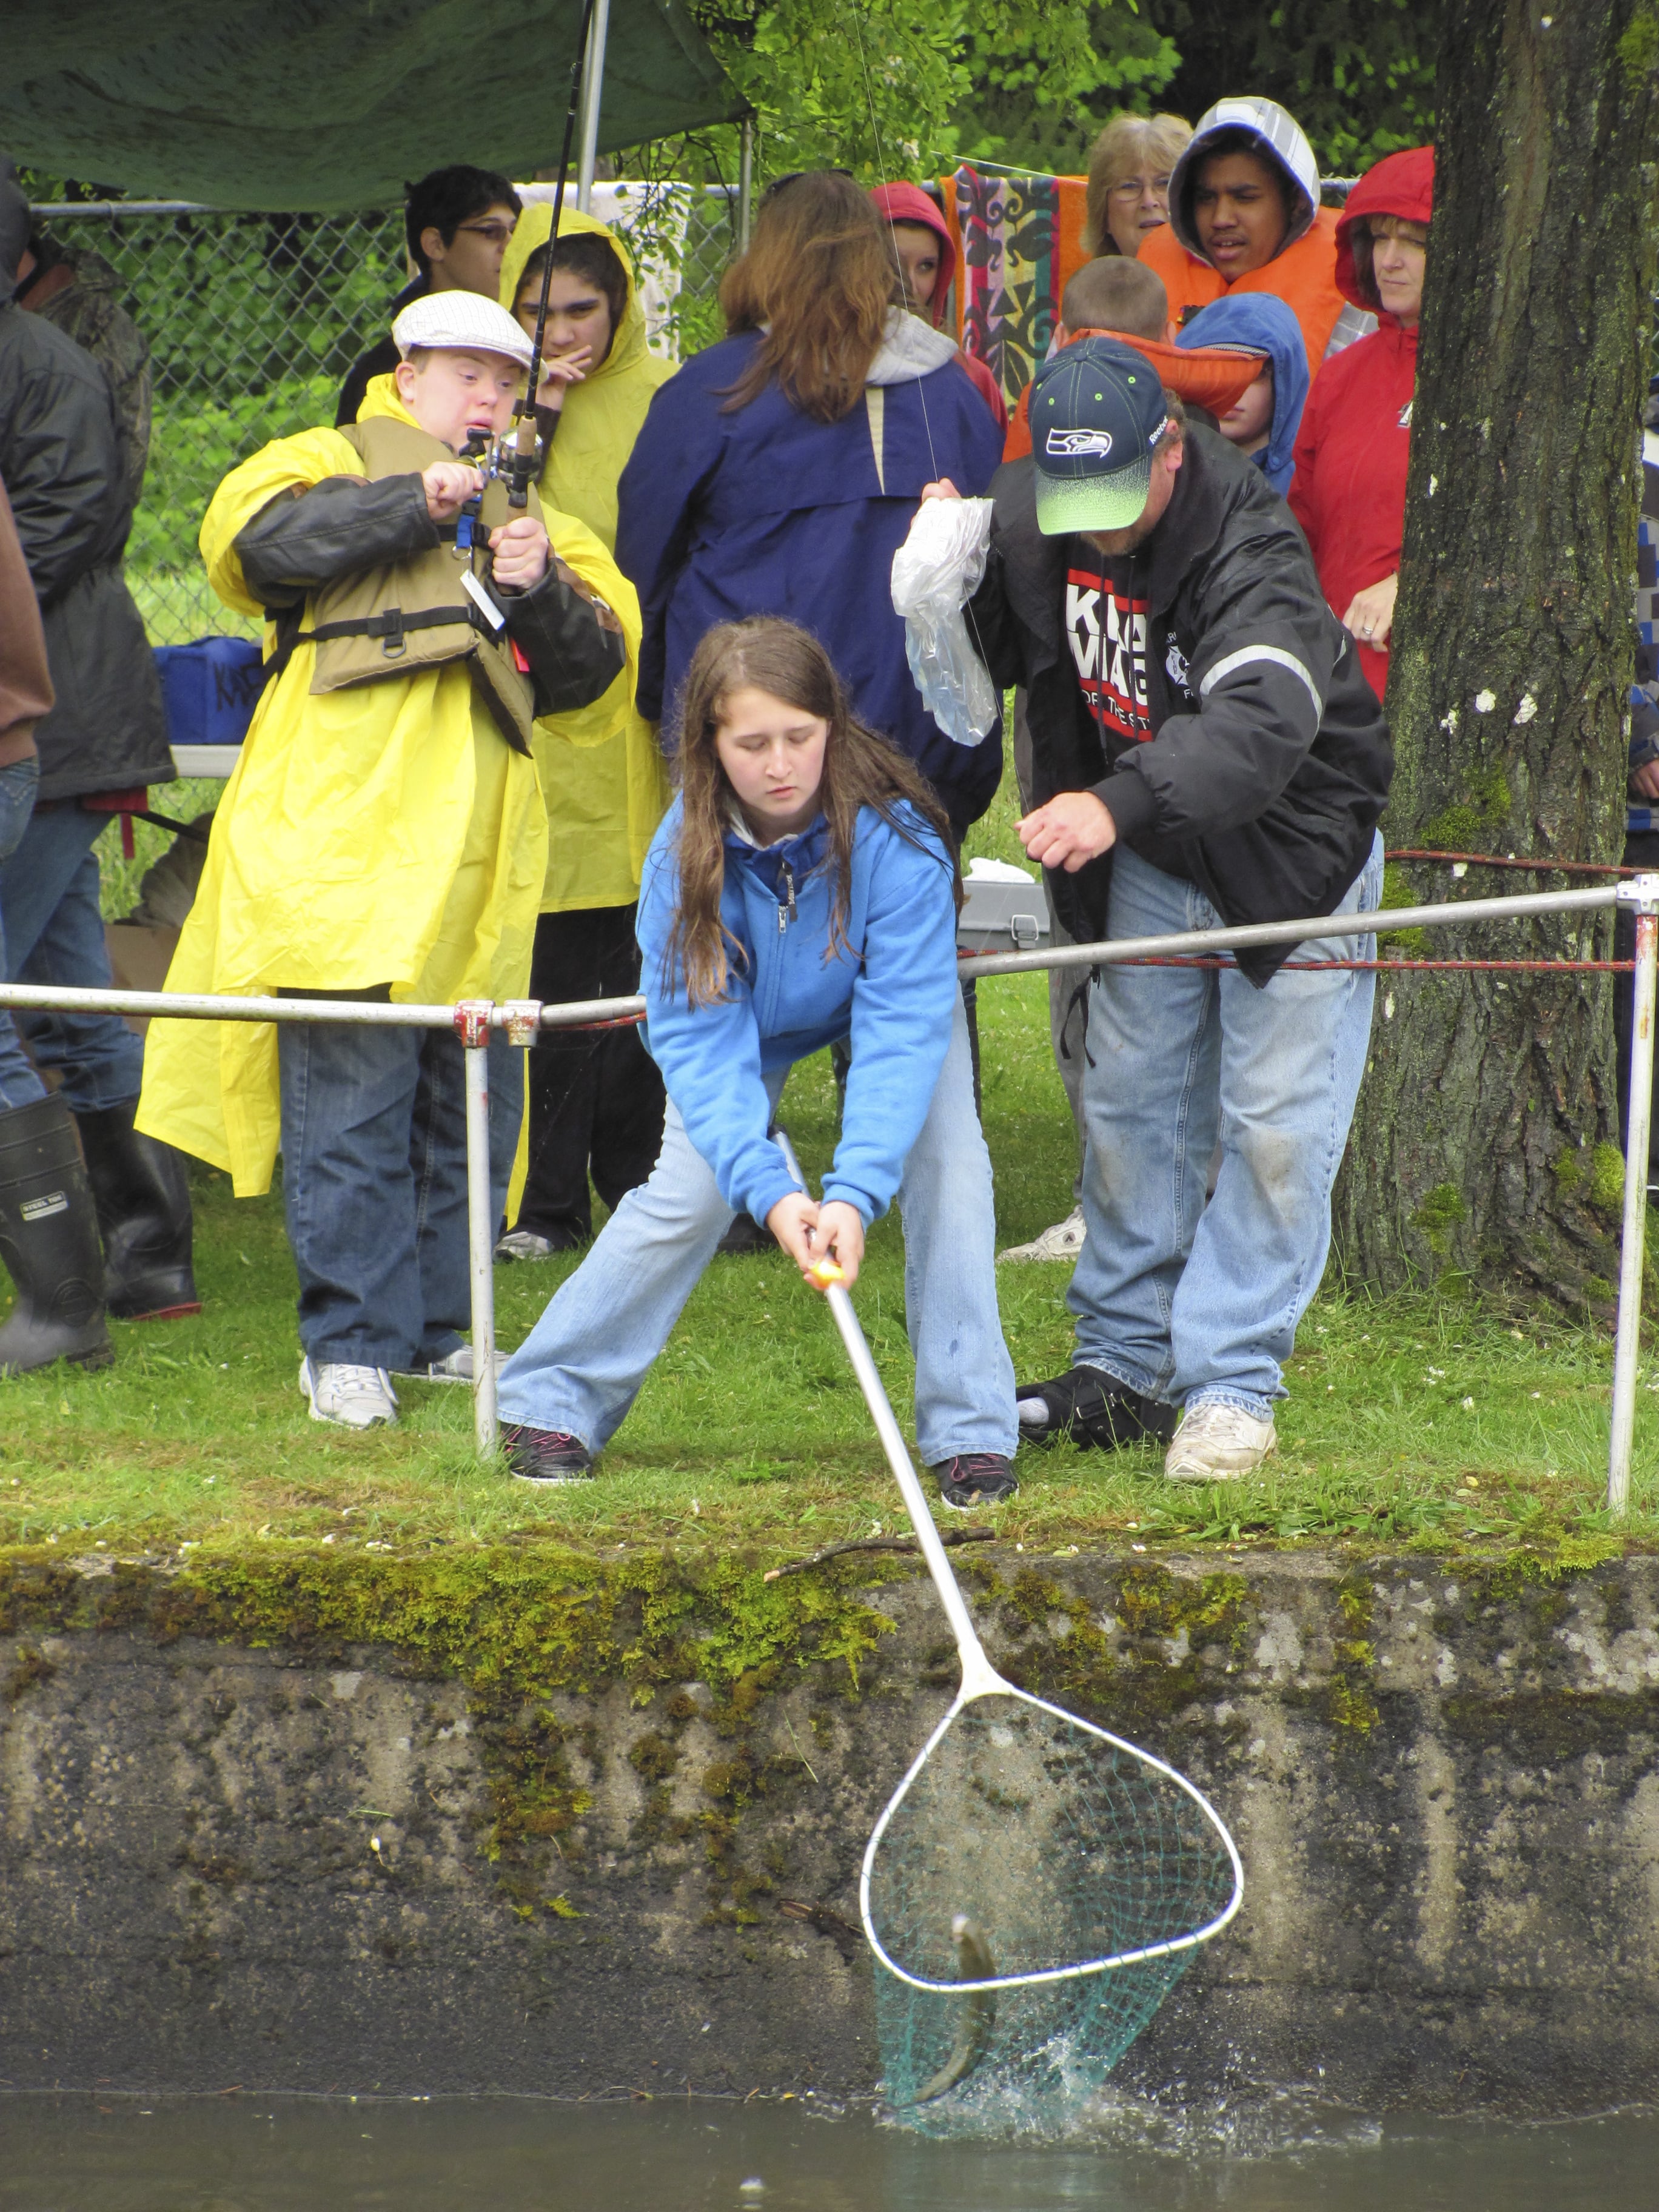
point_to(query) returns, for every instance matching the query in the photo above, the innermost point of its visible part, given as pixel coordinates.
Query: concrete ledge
(563, 1841)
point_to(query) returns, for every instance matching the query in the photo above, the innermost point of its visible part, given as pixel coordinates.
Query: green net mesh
(1028, 1843)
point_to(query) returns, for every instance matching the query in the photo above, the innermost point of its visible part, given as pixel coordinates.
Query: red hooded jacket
(1352, 451)
(909, 203)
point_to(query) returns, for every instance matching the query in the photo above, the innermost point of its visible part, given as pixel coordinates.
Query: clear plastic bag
(935, 573)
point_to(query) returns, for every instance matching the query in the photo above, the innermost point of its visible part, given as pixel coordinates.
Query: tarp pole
(746, 180)
(592, 94)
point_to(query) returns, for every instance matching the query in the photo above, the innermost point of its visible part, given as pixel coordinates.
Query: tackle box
(1003, 909)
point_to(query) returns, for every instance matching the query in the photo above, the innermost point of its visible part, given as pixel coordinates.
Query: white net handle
(980, 1680)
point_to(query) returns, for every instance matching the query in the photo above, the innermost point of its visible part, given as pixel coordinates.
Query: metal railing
(523, 1020)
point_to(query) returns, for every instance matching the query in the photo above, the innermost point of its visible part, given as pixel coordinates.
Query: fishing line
(892, 226)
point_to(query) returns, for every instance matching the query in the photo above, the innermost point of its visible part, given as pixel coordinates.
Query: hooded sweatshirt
(604, 802)
(1302, 273)
(1258, 322)
(909, 203)
(1354, 445)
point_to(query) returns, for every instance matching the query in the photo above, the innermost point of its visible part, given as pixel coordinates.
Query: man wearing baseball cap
(383, 836)
(1205, 752)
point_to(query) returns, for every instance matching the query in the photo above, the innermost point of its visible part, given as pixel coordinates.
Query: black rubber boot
(49, 1242)
(142, 1188)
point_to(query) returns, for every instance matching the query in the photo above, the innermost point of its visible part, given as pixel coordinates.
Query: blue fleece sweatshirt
(892, 988)
(1264, 324)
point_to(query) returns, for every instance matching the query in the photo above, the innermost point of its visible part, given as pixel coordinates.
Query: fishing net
(1036, 1886)
(1065, 1877)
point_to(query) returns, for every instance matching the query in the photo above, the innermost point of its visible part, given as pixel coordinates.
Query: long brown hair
(859, 769)
(817, 279)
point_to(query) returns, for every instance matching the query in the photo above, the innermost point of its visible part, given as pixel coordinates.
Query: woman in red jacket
(1349, 489)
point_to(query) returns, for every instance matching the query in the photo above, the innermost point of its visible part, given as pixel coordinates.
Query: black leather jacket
(61, 463)
(294, 545)
(1269, 762)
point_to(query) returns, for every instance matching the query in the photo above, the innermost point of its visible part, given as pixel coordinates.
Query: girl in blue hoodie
(800, 889)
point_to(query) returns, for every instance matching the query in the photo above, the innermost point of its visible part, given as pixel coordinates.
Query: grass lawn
(1420, 1419)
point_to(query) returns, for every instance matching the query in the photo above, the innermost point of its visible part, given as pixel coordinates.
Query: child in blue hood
(800, 889)
(1264, 424)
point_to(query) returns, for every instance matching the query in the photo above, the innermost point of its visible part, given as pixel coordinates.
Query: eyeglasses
(498, 233)
(1131, 188)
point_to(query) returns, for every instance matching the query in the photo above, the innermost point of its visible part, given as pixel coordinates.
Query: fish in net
(1033, 1892)
(1035, 1886)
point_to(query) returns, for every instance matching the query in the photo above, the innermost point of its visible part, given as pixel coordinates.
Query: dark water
(499, 2155)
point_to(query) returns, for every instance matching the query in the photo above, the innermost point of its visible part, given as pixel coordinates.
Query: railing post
(1642, 892)
(472, 1028)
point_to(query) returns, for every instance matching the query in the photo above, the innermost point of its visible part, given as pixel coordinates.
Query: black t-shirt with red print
(1106, 630)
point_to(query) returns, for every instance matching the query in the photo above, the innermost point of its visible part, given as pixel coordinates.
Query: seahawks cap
(1098, 412)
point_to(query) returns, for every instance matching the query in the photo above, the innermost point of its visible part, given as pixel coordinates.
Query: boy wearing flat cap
(383, 837)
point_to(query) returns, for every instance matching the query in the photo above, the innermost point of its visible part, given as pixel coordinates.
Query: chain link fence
(253, 320)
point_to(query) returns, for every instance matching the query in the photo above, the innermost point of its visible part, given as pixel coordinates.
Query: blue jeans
(19, 1083)
(580, 1368)
(54, 933)
(1188, 1303)
(374, 1184)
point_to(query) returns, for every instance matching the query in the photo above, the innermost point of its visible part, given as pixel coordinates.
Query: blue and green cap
(1096, 414)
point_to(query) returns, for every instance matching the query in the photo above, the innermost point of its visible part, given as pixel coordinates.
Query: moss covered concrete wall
(535, 1820)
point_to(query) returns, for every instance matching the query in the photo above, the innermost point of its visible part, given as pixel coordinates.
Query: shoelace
(972, 1465)
(350, 1382)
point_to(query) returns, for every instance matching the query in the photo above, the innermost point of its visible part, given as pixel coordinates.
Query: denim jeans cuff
(1119, 1370)
(1242, 1401)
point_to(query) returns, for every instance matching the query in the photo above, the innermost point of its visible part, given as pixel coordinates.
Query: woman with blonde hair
(801, 890)
(778, 472)
(1129, 171)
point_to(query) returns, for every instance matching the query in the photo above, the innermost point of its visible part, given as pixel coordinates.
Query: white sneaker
(1217, 1444)
(349, 1397)
(524, 1244)
(1063, 1242)
(454, 1367)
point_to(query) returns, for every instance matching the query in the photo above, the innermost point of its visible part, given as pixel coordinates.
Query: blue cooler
(210, 688)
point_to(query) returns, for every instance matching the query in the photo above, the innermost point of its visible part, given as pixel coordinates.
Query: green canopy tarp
(329, 103)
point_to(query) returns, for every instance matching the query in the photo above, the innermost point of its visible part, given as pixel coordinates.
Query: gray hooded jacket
(61, 463)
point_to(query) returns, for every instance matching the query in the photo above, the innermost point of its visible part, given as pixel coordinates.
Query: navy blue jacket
(765, 511)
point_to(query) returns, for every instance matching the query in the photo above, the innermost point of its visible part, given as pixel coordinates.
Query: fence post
(745, 179)
(472, 1027)
(1642, 893)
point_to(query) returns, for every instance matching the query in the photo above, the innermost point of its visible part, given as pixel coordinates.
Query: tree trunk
(1485, 1144)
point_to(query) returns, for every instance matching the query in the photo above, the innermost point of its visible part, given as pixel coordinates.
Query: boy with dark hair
(457, 222)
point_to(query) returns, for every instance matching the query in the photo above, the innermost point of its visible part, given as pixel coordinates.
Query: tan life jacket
(395, 620)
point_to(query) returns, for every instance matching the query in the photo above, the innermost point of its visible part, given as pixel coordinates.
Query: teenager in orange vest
(1244, 216)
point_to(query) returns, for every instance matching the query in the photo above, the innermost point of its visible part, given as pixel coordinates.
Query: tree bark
(1482, 1149)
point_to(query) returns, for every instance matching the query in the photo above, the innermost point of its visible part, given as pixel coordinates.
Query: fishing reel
(509, 463)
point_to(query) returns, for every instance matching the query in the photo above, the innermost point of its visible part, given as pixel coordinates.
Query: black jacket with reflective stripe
(1270, 759)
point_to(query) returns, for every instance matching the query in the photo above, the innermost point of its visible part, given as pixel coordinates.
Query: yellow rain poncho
(383, 835)
(603, 806)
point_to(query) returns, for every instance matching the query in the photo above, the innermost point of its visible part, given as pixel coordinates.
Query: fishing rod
(521, 464)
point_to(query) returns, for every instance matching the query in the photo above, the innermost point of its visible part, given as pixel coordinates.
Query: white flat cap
(466, 319)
